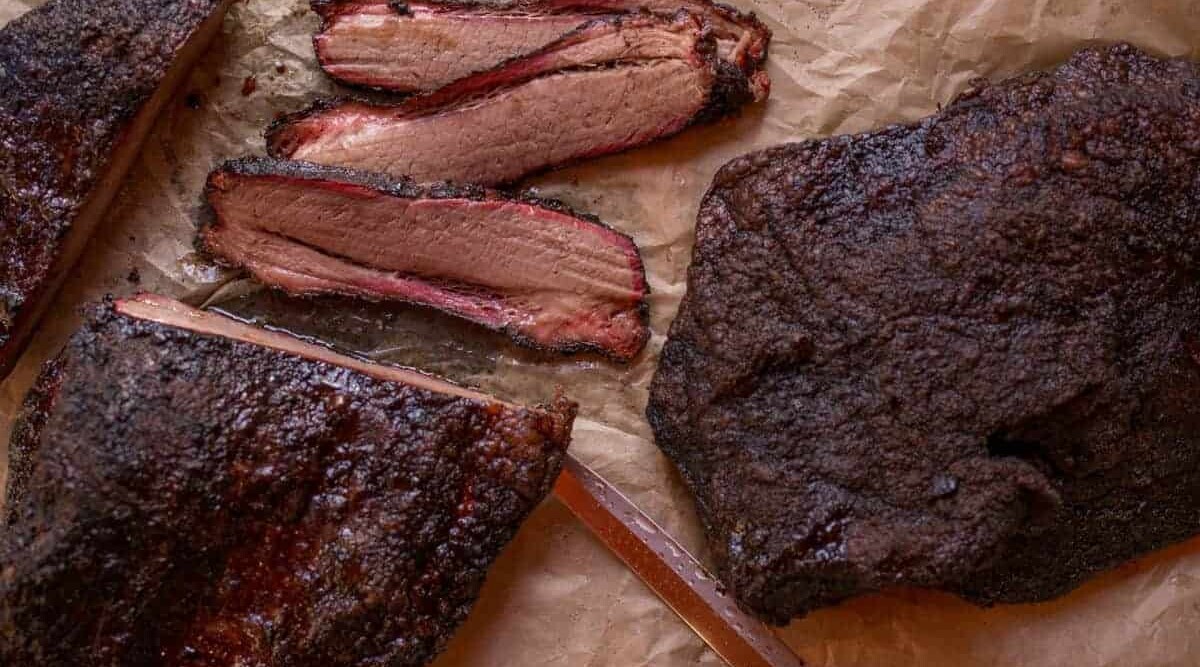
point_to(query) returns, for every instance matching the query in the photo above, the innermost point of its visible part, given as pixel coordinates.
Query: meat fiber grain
(422, 46)
(612, 85)
(548, 277)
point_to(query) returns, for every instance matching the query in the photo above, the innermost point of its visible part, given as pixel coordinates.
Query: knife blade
(669, 570)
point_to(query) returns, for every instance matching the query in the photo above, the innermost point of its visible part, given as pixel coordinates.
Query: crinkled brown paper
(557, 597)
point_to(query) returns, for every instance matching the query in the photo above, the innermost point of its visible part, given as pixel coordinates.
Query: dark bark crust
(196, 500)
(73, 75)
(961, 354)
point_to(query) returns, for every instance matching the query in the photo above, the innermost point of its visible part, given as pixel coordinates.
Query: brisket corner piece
(614, 84)
(962, 354)
(546, 276)
(190, 490)
(403, 46)
(81, 82)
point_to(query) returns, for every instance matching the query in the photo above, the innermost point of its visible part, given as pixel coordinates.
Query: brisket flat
(422, 46)
(80, 85)
(546, 276)
(962, 354)
(195, 491)
(614, 84)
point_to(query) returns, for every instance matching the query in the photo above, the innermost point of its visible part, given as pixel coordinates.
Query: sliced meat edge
(547, 277)
(377, 44)
(608, 87)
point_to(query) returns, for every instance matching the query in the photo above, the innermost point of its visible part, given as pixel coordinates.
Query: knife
(669, 570)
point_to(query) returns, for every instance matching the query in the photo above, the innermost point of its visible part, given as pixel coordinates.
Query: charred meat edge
(406, 189)
(750, 37)
(108, 164)
(729, 90)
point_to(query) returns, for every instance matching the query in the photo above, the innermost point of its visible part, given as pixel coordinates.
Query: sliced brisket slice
(422, 46)
(962, 354)
(81, 82)
(200, 492)
(378, 44)
(612, 85)
(533, 269)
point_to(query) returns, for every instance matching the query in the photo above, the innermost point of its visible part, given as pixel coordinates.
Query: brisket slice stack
(962, 354)
(81, 82)
(613, 84)
(400, 207)
(191, 490)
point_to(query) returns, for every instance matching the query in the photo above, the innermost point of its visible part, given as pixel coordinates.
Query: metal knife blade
(670, 571)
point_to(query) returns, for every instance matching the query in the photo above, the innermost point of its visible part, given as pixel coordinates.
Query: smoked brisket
(548, 277)
(614, 84)
(962, 354)
(196, 491)
(424, 45)
(81, 82)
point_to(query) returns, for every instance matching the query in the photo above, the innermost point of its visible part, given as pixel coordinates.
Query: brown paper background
(557, 597)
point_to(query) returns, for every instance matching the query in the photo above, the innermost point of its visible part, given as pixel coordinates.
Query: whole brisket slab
(962, 354)
(80, 84)
(189, 490)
